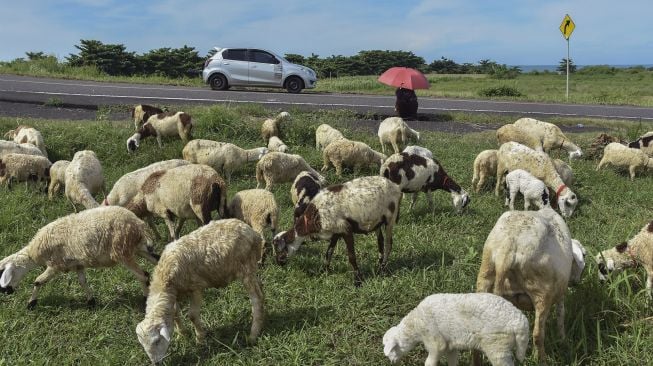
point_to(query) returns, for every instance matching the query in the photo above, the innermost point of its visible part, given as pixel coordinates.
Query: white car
(255, 67)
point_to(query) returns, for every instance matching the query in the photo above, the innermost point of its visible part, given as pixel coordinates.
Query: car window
(235, 54)
(262, 57)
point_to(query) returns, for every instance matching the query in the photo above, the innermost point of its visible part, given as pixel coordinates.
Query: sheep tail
(215, 197)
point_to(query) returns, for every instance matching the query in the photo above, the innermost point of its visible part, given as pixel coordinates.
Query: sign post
(567, 27)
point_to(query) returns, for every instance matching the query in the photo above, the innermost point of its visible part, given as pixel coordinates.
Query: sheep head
(460, 200)
(614, 260)
(395, 344)
(578, 265)
(133, 142)
(155, 338)
(12, 270)
(575, 154)
(286, 244)
(567, 201)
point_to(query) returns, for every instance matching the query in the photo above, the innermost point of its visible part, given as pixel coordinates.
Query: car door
(235, 62)
(264, 68)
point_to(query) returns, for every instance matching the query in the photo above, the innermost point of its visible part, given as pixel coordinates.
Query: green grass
(316, 318)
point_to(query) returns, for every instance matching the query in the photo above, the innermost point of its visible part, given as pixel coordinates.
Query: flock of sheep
(529, 258)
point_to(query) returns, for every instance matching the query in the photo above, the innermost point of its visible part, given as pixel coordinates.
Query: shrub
(500, 91)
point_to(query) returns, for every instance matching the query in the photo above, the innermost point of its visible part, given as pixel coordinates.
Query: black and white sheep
(418, 150)
(162, 125)
(644, 143)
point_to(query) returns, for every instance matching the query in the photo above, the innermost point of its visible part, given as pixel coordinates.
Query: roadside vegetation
(315, 318)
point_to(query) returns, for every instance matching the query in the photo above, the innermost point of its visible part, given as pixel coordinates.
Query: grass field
(315, 318)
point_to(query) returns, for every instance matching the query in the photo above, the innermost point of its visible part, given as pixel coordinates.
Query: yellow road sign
(567, 26)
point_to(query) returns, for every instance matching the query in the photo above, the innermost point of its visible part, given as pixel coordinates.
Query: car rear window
(262, 57)
(235, 54)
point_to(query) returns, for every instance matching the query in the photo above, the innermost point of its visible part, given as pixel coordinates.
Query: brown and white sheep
(272, 126)
(162, 125)
(304, 188)
(623, 156)
(142, 112)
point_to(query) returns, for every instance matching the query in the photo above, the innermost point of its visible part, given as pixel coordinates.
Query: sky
(512, 32)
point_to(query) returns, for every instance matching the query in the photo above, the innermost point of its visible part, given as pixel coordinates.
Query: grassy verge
(316, 318)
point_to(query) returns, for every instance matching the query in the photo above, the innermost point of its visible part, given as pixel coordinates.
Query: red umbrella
(404, 77)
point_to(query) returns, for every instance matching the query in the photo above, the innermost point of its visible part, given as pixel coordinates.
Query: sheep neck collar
(562, 144)
(560, 189)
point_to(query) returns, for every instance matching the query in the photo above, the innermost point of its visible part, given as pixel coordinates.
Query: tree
(562, 66)
(112, 59)
(445, 66)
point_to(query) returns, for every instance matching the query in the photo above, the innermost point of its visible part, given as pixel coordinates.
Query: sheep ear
(622, 247)
(7, 274)
(165, 332)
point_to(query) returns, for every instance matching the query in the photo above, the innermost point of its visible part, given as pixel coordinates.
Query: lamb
(530, 260)
(638, 250)
(304, 188)
(224, 157)
(418, 150)
(271, 126)
(394, 131)
(84, 179)
(94, 238)
(278, 167)
(23, 168)
(448, 323)
(533, 189)
(624, 156)
(142, 112)
(550, 135)
(162, 125)
(349, 153)
(10, 147)
(644, 143)
(361, 205)
(28, 135)
(485, 165)
(184, 192)
(513, 155)
(212, 256)
(258, 209)
(275, 144)
(325, 134)
(57, 177)
(415, 173)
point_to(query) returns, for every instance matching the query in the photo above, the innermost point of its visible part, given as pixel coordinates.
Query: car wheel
(294, 85)
(218, 82)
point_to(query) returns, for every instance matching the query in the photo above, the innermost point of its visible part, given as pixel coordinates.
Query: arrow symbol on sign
(566, 25)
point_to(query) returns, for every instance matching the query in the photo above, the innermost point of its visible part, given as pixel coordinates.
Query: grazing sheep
(212, 256)
(565, 172)
(84, 179)
(22, 168)
(325, 134)
(510, 132)
(361, 205)
(513, 155)
(638, 250)
(275, 144)
(347, 153)
(258, 209)
(94, 238)
(418, 150)
(394, 131)
(528, 258)
(10, 147)
(224, 157)
(57, 177)
(449, 323)
(415, 173)
(485, 165)
(185, 192)
(162, 125)
(624, 156)
(271, 126)
(304, 188)
(644, 143)
(28, 135)
(11, 134)
(142, 112)
(278, 167)
(533, 189)
(550, 135)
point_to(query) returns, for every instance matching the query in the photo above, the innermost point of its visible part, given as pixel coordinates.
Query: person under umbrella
(406, 103)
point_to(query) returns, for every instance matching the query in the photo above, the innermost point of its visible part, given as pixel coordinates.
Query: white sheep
(162, 125)
(418, 150)
(449, 323)
(550, 135)
(361, 205)
(513, 155)
(305, 186)
(415, 173)
(191, 191)
(275, 144)
(142, 112)
(10, 147)
(11, 134)
(644, 143)
(212, 256)
(510, 132)
(257, 208)
(94, 238)
(528, 258)
(533, 189)
(395, 131)
(28, 135)
(224, 157)
(485, 165)
(354, 154)
(84, 179)
(271, 126)
(278, 167)
(325, 134)
(636, 251)
(623, 156)
(57, 177)
(23, 168)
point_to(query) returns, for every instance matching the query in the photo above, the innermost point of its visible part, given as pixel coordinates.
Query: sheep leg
(329, 252)
(500, 179)
(351, 253)
(501, 359)
(649, 283)
(527, 203)
(142, 276)
(387, 246)
(158, 140)
(632, 170)
(382, 146)
(194, 316)
(52, 189)
(338, 168)
(42, 279)
(150, 223)
(434, 349)
(429, 200)
(560, 318)
(256, 297)
(395, 147)
(381, 246)
(486, 274)
(452, 358)
(541, 314)
(412, 203)
(81, 277)
(601, 163)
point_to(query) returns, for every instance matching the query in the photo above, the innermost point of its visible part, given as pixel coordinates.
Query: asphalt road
(22, 89)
